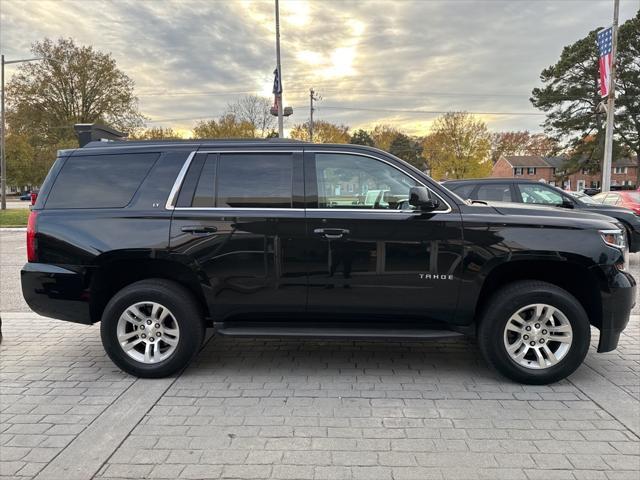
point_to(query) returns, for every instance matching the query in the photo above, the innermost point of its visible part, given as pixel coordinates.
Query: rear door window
(254, 180)
(100, 181)
(496, 192)
(464, 190)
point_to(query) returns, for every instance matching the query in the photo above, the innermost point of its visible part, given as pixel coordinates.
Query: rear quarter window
(100, 181)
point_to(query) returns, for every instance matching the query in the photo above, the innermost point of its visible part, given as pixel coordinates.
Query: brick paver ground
(302, 409)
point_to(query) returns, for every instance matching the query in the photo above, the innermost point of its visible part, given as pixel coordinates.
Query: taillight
(32, 251)
(34, 197)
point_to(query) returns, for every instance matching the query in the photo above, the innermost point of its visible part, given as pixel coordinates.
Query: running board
(333, 332)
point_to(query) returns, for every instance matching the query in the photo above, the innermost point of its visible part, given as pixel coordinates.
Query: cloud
(372, 61)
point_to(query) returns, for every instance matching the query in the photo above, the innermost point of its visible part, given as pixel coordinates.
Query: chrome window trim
(447, 210)
(173, 195)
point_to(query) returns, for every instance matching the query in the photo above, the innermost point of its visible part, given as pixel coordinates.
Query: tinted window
(100, 181)
(204, 195)
(353, 181)
(464, 190)
(249, 180)
(494, 192)
(540, 194)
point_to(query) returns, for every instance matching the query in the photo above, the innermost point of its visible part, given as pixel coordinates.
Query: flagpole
(280, 117)
(608, 143)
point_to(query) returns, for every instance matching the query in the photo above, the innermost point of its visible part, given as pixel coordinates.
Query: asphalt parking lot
(289, 409)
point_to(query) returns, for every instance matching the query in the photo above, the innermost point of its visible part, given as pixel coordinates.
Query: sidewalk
(308, 410)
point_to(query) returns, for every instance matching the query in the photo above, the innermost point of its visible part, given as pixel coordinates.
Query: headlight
(614, 238)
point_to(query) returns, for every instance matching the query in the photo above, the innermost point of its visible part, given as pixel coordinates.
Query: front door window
(357, 182)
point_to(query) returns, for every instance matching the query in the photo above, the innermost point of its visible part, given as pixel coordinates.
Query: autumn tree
(570, 97)
(383, 136)
(520, 143)
(227, 126)
(256, 111)
(155, 133)
(71, 84)
(362, 137)
(323, 132)
(458, 147)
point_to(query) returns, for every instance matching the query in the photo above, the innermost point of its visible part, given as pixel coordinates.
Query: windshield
(584, 198)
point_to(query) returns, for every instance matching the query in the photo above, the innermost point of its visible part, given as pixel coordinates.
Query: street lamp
(3, 160)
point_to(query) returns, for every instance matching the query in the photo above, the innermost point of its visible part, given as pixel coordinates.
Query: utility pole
(608, 143)
(312, 97)
(3, 160)
(279, 95)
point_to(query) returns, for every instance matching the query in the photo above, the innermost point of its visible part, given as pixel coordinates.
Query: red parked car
(625, 198)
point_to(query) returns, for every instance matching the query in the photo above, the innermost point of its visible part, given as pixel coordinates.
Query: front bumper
(55, 292)
(618, 299)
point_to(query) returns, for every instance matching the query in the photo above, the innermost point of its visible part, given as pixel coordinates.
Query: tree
(227, 126)
(520, 143)
(362, 137)
(256, 111)
(628, 85)
(155, 133)
(458, 147)
(407, 149)
(383, 136)
(323, 132)
(72, 84)
(571, 95)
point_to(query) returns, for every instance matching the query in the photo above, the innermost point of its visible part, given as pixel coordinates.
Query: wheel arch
(576, 279)
(112, 275)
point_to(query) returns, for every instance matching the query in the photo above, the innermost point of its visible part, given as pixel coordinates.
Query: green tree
(362, 137)
(408, 149)
(628, 87)
(323, 132)
(72, 84)
(227, 126)
(458, 147)
(571, 95)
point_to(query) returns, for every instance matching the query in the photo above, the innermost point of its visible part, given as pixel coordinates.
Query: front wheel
(152, 328)
(534, 332)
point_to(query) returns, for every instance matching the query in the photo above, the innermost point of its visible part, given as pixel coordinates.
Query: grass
(14, 217)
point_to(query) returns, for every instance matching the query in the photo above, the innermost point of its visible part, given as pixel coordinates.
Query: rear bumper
(617, 303)
(55, 292)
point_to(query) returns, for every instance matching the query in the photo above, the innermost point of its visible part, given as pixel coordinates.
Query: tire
(135, 312)
(510, 317)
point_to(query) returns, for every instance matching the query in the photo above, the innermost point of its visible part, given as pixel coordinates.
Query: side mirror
(567, 203)
(421, 198)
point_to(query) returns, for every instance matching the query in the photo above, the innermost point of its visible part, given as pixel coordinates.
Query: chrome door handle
(331, 233)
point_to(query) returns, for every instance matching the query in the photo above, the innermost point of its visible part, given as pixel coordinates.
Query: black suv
(272, 238)
(539, 193)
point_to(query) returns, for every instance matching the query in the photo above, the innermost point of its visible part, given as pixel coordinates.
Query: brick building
(551, 170)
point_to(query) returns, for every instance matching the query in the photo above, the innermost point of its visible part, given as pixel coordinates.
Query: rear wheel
(534, 332)
(152, 328)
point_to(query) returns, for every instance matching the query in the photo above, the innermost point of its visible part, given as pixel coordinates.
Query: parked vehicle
(159, 240)
(538, 193)
(25, 196)
(628, 199)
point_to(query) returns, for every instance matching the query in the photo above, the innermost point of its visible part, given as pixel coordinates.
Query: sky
(395, 62)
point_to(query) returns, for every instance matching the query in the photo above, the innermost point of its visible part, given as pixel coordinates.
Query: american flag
(605, 37)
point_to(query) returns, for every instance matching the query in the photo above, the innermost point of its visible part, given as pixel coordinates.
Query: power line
(427, 112)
